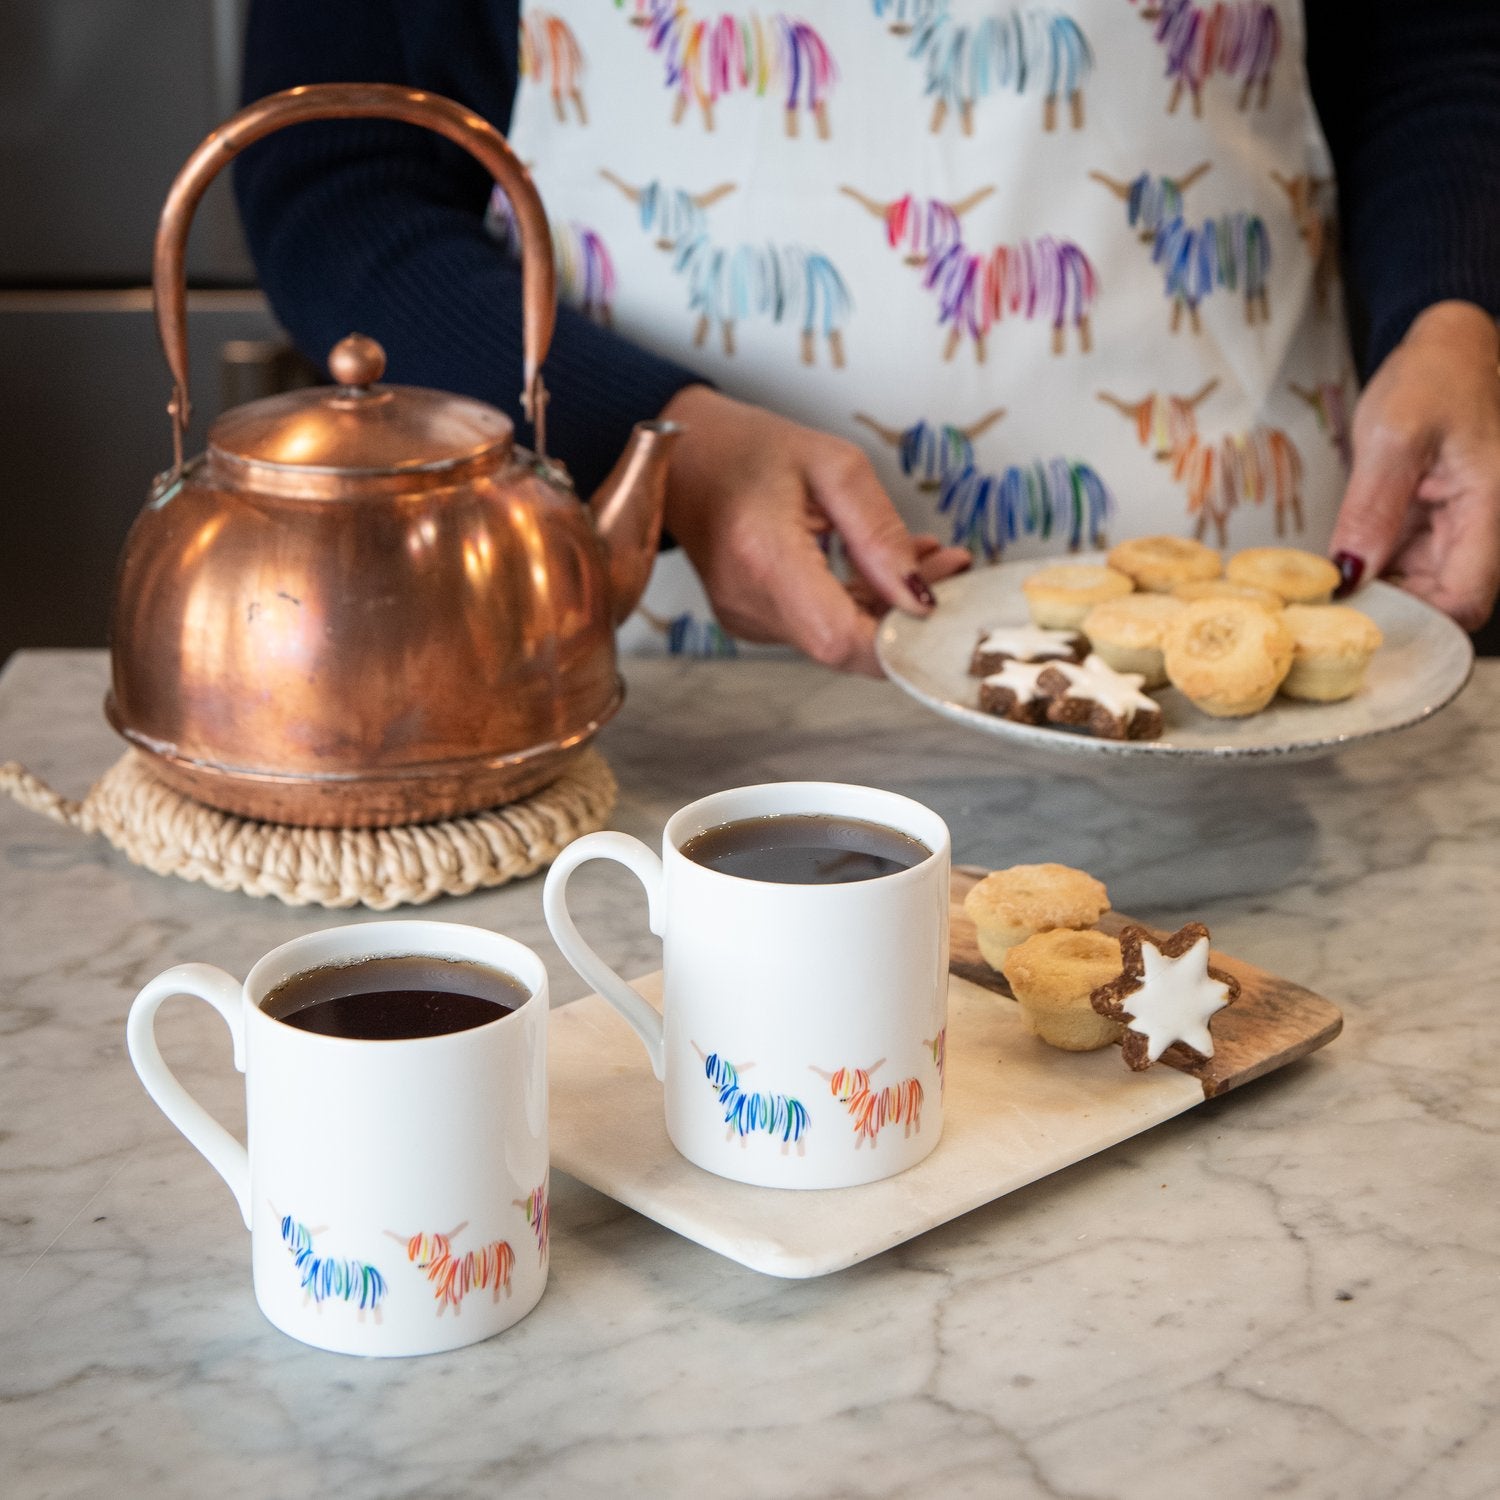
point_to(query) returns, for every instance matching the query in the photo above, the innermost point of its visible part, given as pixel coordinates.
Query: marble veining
(1292, 1290)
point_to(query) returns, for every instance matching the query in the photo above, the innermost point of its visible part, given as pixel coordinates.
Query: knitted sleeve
(1409, 95)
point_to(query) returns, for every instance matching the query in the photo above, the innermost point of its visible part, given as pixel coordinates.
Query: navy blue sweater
(379, 226)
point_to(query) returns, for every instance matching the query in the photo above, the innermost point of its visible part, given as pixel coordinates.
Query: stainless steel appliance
(100, 101)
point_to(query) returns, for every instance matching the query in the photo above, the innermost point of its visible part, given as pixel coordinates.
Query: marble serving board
(1015, 1111)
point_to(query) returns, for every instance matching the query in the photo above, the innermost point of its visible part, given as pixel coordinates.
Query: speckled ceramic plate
(1425, 661)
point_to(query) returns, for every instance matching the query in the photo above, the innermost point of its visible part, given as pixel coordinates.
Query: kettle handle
(348, 101)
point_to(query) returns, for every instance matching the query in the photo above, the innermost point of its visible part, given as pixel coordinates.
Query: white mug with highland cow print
(395, 1190)
(801, 1040)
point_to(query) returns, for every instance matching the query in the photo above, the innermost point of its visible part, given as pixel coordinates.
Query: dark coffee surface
(805, 849)
(395, 999)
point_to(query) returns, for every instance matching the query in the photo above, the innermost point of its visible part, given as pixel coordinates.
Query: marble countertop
(1291, 1290)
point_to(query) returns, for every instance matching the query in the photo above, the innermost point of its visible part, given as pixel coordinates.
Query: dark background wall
(100, 103)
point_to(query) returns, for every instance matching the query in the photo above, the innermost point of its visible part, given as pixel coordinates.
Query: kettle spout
(627, 511)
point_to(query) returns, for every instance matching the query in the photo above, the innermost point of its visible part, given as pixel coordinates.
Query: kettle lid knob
(356, 361)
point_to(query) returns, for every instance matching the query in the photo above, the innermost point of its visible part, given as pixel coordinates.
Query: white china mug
(801, 1040)
(395, 1191)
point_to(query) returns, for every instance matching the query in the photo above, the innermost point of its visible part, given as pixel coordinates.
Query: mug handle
(225, 1154)
(646, 867)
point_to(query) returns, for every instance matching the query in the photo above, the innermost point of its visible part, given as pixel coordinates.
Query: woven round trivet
(336, 867)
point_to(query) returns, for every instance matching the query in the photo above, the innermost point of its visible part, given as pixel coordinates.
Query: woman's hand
(1423, 503)
(753, 498)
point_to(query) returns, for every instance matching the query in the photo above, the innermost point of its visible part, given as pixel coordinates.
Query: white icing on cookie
(1030, 643)
(1175, 1000)
(1117, 692)
(1020, 677)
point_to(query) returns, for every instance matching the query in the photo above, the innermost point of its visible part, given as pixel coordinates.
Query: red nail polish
(924, 595)
(1351, 570)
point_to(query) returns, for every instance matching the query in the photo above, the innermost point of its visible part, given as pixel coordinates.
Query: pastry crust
(1038, 897)
(1298, 577)
(1061, 595)
(1227, 588)
(1332, 646)
(1157, 563)
(1228, 655)
(1128, 632)
(1008, 906)
(1054, 975)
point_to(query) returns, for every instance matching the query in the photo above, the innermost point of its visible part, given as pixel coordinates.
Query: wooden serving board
(1272, 1023)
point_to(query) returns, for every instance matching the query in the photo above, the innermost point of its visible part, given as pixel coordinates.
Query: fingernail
(920, 591)
(1351, 570)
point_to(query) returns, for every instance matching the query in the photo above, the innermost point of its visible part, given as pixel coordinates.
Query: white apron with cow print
(1067, 270)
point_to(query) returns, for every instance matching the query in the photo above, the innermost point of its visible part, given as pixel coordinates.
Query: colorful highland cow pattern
(746, 1113)
(1329, 402)
(872, 1108)
(1254, 466)
(1055, 497)
(920, 227)
(723, 242)
(1238, 40)
(454, 1275)
(986, 511)
(1018, 51)
(1231, 252)
(932, 454)
(326, 1278)
(708, 58)
(550, 55)
(585, 268)
(938, 1046)
(689, 634)
(729, 283)
(1313, 202)
(537, 1207)
(1046, 278)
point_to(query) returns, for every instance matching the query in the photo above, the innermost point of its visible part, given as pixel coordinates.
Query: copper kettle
(364, 604)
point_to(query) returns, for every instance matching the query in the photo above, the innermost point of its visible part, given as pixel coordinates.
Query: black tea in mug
(805, 849)
(395, 999)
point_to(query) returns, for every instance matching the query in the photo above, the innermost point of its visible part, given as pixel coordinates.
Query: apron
(1067, 272)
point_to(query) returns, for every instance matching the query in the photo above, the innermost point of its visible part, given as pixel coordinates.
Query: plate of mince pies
(1163, 647)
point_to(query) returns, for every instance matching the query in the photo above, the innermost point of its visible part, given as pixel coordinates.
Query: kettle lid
(360, 426)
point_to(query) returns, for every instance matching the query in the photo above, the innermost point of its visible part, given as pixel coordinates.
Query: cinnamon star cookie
(1024, 643)
(1167, 994)
(1012, 692)
(1095, 698)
